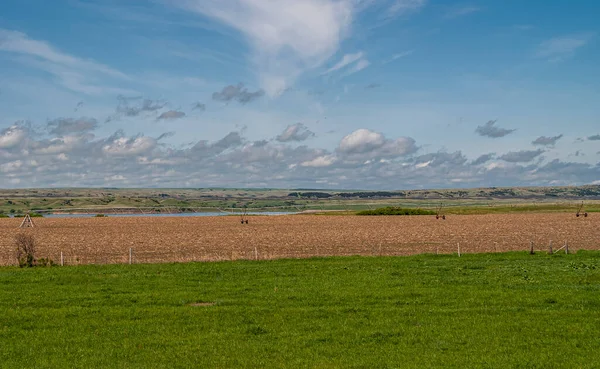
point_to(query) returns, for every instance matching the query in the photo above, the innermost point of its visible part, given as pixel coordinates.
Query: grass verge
(487, 310)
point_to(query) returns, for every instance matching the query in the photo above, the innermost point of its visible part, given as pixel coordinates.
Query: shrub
(100, 216)
(25, 250)
(396, 211)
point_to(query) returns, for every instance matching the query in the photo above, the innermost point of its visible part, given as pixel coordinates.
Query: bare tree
(25, 250)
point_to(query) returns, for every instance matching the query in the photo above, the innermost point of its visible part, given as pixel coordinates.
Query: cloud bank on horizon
(362, 94)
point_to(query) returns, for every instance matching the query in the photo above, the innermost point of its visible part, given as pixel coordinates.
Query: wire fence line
(140, 255)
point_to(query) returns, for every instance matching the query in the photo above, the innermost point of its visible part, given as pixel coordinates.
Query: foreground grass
(490, 310)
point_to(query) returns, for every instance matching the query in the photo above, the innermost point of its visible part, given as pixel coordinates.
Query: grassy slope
(465, 201)
(497, 310)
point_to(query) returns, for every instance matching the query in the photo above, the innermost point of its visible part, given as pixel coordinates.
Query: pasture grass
(509, 310)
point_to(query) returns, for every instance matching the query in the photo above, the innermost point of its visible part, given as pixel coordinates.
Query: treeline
(325, 195)
(396, 211)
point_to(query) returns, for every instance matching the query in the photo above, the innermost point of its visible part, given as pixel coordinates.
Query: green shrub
(100, 216)
(396, 211)
(45, 262)
(2, 215)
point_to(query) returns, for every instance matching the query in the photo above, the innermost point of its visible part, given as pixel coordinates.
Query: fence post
(531, 251)
(459, 249)
(62, 259)
(550, 248)
(566, 247)
(255, 254)
(130, 256)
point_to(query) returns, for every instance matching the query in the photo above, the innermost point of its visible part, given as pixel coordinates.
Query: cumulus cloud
(361, 140)
(65, 126)
(546, 141)
(295, 132)
(522, 156)
(319, 162)
(12, 137)
(491, 130)
(199, 106)
(364, 143)
(171, 114)
(130, 146)
(62, 145)
(134, 106)
(237, 93)
(483, 159)
(80, 158)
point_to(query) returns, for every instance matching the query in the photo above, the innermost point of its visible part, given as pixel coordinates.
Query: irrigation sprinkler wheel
(585, 215)
(437, 217)
(443, 217)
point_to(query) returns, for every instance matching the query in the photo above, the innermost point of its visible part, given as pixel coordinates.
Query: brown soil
(183, 239)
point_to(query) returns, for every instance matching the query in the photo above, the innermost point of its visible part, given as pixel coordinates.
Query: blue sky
(370, 94)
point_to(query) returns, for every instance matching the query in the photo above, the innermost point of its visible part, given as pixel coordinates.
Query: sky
(329, 94)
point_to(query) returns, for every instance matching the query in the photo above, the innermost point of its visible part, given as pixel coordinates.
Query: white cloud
(346, 60)
(286, 36)
(360, 141)
(319, 162)
(11, 137)
(560, 47)
(130, 147)
(61, 145)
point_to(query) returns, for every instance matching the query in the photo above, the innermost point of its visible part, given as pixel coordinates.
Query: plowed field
(180, 239)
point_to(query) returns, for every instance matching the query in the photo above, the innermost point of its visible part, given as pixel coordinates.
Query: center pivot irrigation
(439, 214)
(244, 216)
(584, 214)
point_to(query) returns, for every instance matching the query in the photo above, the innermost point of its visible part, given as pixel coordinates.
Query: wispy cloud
(74, 73)
(286, 36)
(399, 7)
(360, 65)
(398, 56)
(346, 60)
(558, 48)
(290, 37)
(352, 63)
(461, 11)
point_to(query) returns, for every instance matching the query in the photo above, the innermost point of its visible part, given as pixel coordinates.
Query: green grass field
(509, 310)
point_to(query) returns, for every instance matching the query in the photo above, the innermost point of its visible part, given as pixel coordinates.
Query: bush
(100, 216)
(2, 215)
(396, 211)
(25, 250)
